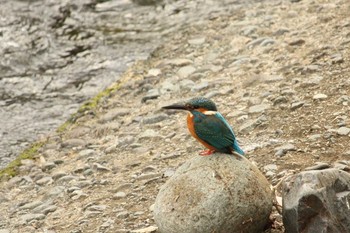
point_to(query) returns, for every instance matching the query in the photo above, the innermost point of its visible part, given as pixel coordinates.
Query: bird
(208, 126)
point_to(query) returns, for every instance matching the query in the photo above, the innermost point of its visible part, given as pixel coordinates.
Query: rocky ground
(278, 71)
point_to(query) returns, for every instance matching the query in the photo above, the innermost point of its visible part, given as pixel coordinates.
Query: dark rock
(220, 193)
(317, 201)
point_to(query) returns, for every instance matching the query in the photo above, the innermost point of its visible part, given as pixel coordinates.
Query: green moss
(11, 169)
(89, 105)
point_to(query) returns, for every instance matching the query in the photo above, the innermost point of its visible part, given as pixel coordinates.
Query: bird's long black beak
(175, 106)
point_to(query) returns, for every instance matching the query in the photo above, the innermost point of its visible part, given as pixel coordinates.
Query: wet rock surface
(103, 173)
(221, 193)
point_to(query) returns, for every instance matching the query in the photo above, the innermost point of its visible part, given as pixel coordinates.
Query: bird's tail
(237, 149)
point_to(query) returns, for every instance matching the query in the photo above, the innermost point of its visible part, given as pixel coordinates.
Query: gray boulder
(317, 201)
(219, 193)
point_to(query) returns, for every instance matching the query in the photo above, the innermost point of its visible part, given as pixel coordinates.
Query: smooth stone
(149, 134)
(218, 193)
(48, 166)
(98, 208)
(318, 166)
(282, 150)
(343, 131)
(151, 94)
(31, 205)
(297, 42)
(113, 114)
(200, 86)
(29, 217)
(168, 86)
(258, 108)
(54, 192)
(314, 137)
(101, 168)
(119, 195)
(196, 41)
(297, 105)
(87, 153)
(270, 167)
(123, 215)
(154, 118)
(74, 142)
(178, 62)
(150, 229)
(312, 81)
(186, 71)
(320, 96)
(317, 201)
(45, 209)
(154, 72)
(44, 180)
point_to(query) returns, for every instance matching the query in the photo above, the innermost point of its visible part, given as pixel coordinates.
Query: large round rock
(219, 193)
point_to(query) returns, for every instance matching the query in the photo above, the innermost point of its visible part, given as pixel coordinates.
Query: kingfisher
(208, 126)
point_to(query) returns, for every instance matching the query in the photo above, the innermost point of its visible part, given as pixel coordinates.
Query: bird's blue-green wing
(214, 130)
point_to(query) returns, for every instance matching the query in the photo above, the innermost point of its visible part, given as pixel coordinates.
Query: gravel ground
(278, 71)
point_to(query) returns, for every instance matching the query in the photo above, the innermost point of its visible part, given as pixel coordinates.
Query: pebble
(48, 166)
(258, 108)
(270, 167)
(123, 215)
(149, 134)
(318, 166)
(119, 195)
(297, 105)
(185, 71)
(197, 41)
(296, 42)
(45, 209)
(113, 114)
(66, 179)
(151, 94)
(199, 87)
(315, 137)
(312, 81)
(87, 153)
(30, 205)
(282, 150)
(154, 118)
(54, 192)
(101, 168)
(148, 176)
(168, 86)
(343, 131)
(154, 72)
(123, 187)
(26, 218)
(58, 175)
(97, 208)
(320, 96)
(45, 180)
(178, 62)
(150, 229)
(73, 142)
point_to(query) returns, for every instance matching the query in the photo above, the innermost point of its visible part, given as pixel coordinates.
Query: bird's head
(195, 104)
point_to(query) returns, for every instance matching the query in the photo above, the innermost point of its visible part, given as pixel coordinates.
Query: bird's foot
(206, 152)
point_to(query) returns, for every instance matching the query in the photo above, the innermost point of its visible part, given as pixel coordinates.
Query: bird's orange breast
(190, 125)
